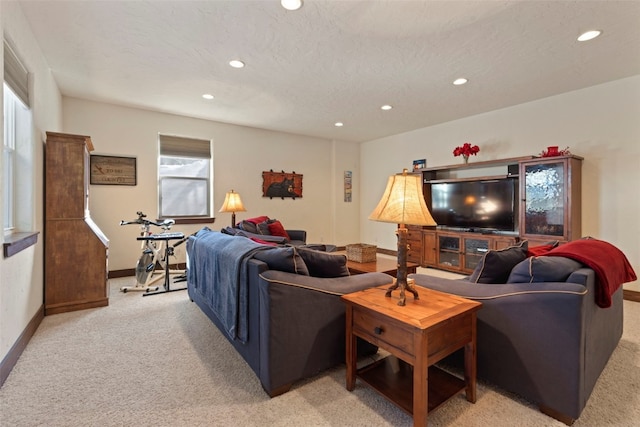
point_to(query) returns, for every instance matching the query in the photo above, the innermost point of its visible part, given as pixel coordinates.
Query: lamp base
(401, 277)
(409, 286)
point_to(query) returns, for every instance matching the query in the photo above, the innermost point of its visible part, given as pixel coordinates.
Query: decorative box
(361, 252)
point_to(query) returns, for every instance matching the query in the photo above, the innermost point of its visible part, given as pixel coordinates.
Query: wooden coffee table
(380, 265)
(417, 336)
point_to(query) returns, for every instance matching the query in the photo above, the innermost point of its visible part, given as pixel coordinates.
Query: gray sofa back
(547, 342)
(296, 323)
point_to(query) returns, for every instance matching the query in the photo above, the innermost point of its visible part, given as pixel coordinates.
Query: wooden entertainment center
(548, 208)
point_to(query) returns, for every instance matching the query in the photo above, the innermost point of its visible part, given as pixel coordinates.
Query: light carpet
(159, 361)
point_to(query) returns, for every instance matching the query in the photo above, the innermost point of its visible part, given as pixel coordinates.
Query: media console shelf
(467, 171)
(548, 208)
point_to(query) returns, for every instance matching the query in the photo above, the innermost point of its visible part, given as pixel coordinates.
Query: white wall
(600, 123)
(21, 276)
(240, 154)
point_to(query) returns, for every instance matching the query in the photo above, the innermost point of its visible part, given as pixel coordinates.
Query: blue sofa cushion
(496, 265)
(324, 264)
(283, 259)
(543, 269)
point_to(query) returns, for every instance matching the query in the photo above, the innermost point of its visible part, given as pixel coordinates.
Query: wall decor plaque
(112, 170)
(281, 184)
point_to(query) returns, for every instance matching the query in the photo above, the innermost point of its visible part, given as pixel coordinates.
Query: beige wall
(240, 154)
(21, 276)
(601, 124)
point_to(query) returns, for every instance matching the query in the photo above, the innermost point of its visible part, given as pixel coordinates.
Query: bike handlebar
(166, 224)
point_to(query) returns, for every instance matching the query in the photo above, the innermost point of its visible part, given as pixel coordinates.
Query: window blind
(15, 74)
(184, 147)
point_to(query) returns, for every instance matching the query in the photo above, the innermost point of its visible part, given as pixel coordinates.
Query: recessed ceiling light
(236, 63)
(589, 35)
(339, 124)
(460, 81)
(207, 96)
(386, 107)
(291, 4)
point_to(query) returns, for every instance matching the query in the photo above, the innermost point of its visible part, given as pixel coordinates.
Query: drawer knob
(378, 330)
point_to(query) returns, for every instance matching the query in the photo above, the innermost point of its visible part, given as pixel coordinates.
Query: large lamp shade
(232, 203)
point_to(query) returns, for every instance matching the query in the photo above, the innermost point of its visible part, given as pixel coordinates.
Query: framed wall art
(281, 184)
(112, 170)
(348, 186)
(419, 164)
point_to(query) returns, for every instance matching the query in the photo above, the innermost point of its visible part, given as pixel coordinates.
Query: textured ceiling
(332, 60)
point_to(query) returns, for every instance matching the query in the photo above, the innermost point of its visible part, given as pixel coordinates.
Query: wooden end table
(417, 336)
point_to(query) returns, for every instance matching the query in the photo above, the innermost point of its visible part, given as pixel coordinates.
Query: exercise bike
(155, 252)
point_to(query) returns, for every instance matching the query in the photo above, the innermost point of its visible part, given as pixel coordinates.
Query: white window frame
(8, 161)
(170, 146)
(17, 168)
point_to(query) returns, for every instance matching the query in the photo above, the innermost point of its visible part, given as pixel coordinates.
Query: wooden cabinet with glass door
(550, 199)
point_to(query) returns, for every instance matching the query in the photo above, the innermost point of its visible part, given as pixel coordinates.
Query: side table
(417, 336)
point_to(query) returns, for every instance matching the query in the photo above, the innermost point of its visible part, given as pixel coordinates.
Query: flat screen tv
(484, 205)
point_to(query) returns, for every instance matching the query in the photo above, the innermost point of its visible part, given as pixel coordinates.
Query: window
(184, 177)
(8, 160)
(17, 156)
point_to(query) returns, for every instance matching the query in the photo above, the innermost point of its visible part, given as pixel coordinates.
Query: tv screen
(487, 204)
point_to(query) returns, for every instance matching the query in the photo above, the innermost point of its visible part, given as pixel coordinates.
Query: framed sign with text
(112, 170)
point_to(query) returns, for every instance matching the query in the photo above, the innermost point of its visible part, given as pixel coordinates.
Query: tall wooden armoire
(76, 250)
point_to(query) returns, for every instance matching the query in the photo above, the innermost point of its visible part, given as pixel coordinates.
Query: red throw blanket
(609, 263)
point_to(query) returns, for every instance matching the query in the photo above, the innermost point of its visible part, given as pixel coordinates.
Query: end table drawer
(382, 331)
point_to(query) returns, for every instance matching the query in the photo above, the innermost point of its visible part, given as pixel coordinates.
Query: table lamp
(403, 203)
(232, 203)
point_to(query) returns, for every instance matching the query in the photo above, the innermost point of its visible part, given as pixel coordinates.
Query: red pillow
(258, 219)
(539, 250)
(276, 229)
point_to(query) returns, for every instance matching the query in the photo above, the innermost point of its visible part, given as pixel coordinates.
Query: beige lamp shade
(403, 202)
(232, 203)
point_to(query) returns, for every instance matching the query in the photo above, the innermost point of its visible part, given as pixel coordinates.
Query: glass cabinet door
(449, 251)
(474, 250)
(544, 199)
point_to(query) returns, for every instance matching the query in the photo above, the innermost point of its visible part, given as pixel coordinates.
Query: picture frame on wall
(419, 164)
(281, 185)
(348, 186)
(112, 170)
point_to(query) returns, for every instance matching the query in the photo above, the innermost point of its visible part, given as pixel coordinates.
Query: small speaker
(513, 170)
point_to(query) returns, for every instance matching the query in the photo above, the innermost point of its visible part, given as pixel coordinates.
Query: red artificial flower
(466, 150)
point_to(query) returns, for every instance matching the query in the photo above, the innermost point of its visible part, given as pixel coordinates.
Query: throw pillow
(543, 269)
(283, 259)
(496, 265)
(324, 264)
(248, 226)
(263, 228)
(542, 249)
(277, 229)
(258, 219)
(229, 230)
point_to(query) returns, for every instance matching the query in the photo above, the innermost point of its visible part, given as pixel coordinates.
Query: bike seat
(167, 223)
